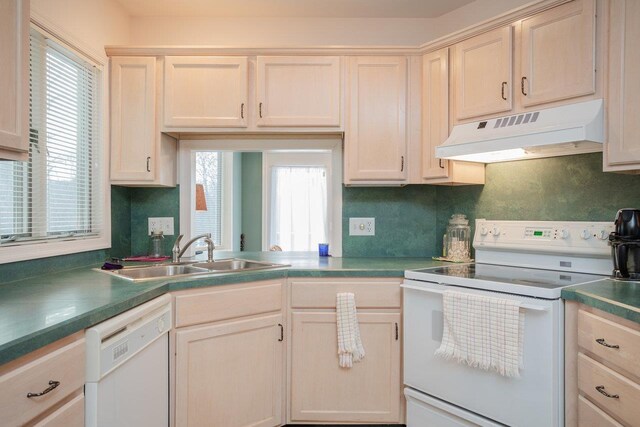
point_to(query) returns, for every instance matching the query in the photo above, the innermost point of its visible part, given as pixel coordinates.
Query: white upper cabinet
(622, 146)
(14, 79)
(298, 91)
(557, 54)
(435, 112)
(482, 74)
(205, 91)
(376, 134)
(140, 154)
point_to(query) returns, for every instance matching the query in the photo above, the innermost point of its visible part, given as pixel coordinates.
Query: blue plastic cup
(323, 249)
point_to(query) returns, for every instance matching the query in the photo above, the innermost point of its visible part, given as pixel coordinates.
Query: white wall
(278, 32)
(89, 23)
(472, 14)
(287, 32)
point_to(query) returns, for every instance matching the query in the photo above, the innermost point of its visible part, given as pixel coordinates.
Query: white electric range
(528, 261)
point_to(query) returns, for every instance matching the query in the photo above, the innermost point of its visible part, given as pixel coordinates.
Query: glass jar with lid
(155, 244)
(458, 239)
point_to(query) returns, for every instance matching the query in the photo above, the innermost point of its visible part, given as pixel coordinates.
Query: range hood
(560, 131)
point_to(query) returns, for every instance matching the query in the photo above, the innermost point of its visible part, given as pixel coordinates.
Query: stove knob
(496, 231)
(603, 235)
(564, 233)
(484, 231)
(585, 234)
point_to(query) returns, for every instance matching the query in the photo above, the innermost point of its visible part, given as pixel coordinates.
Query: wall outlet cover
(362, 226)
(164, 224)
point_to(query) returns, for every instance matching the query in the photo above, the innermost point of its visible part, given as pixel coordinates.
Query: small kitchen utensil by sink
(160, 271)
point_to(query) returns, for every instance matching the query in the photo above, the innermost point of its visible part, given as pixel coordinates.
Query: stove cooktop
(517, 280)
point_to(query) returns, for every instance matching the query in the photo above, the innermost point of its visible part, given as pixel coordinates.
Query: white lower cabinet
(322, 391)
(230, 374)
(229, 356)
(45, 387)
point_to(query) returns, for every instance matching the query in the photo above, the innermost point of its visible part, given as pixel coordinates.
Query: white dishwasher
(128, 368)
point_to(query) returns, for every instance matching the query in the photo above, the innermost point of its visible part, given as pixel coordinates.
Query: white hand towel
(350, 347)
(483, 332)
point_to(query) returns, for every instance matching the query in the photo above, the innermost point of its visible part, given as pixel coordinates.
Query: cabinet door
(375, 138)
(435, 112)
(622, 146)
(230, 374)
(557, 54)
(298, 91)
(322, 391)
(205, 91)
(14, 79)
(133, 121)
(482, 74)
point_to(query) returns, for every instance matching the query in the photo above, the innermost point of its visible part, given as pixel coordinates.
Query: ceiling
(293, 8)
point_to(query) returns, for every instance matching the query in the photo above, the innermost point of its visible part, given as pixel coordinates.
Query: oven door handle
(525, 306)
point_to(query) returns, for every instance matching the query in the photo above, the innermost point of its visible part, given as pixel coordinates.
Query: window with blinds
(55, 195)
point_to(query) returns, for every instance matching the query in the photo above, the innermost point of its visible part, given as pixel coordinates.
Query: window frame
(242, 143)
(28, 250)
(187, 177)
(272, 159)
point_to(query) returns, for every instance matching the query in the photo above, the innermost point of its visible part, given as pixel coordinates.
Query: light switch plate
(362, 226)
(164, 224)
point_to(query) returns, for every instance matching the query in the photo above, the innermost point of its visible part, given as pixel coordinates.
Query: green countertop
(37, 311)
(618, 297)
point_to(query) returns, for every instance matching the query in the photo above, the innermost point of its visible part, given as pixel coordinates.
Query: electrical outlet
(362, 226)
(164, 224)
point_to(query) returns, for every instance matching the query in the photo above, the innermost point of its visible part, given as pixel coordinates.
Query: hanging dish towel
(483, 332)
(349, 343)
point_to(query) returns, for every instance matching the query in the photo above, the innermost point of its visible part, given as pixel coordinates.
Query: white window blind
(55, 195)
(209, 173)
(299, 215)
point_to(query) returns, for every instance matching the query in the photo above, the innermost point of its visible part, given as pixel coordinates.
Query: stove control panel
(579, 237)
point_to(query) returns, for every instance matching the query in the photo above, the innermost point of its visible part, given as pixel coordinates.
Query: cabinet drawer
(65, 365)
(368, 293)
(592, 374)
(71, 414)
(592, 328)
(227, 302)
(589, 415)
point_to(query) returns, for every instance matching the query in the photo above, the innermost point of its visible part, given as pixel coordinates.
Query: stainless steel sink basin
(158, 271)
(180, 269)
(235, 264)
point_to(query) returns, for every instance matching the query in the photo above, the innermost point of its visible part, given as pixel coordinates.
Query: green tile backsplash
(571, 188)
(405, 221)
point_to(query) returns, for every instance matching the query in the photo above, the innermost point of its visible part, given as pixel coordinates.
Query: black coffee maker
(625, 244)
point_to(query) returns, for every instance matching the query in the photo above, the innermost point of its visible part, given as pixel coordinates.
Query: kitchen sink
(181, 269)
(234, 264)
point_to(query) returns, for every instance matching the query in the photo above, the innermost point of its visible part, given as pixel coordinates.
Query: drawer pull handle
(504, 84)
(602, 342)
(52, 385)
(281, 332)
(522, 81)
(600, 390)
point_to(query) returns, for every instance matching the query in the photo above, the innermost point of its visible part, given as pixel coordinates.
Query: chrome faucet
(177, 253)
